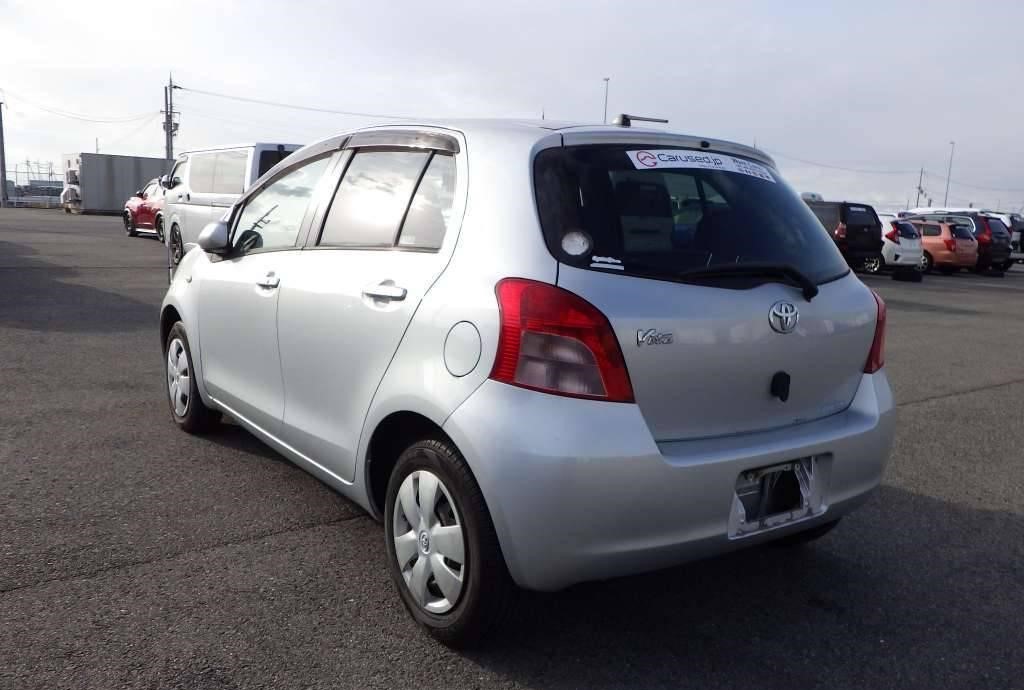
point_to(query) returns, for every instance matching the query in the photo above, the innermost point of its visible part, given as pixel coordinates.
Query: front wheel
(158, 225)
(177, 247)
(874, 264)
(927, 264)
(187, 409)
(129, 224)
(443, 551)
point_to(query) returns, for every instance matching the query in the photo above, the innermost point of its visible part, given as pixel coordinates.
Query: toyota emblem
(783, 317)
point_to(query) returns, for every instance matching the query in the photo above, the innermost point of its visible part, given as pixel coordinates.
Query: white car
(901, 248)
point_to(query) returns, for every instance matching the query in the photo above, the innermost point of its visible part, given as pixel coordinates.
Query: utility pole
(97, 144)
(949, 173)
(920, 190)
(170, 126)
(3, 161)
(605, 120)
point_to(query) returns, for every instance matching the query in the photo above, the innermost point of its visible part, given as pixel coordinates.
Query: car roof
(536, 130)
(249, 145)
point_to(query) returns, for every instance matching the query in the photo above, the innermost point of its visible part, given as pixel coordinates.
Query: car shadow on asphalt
(37, 295)
(230, 434)
(891, 593)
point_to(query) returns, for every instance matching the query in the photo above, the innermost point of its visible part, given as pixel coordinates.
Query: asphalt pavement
(133, 555)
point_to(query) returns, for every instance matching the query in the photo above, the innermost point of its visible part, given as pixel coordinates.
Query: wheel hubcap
(179, 379)
(429, 542)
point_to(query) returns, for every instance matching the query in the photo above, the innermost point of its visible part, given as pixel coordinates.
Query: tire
(873, 265)
(1007, 265)
(67, 210)
(177, 247)
(129, 224)
(928, 263)
(158, 226)
(807, 536)
(485, 592)
(187, 407)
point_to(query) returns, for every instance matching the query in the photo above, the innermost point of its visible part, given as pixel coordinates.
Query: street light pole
(605, 120)
(949, 173)
(3, 161)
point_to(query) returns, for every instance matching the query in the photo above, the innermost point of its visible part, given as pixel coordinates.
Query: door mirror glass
(214, 237)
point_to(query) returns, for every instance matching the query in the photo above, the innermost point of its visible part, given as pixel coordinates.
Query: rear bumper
(578, 490)
(904, 257)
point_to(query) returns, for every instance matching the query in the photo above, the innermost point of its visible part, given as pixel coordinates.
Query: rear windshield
(860, 215)
(673, 210)
(997, 225)
(961, 232)
(906, 230)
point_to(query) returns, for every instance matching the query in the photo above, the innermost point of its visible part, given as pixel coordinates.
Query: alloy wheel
(872, 265)
(179, 377)
(429, 542)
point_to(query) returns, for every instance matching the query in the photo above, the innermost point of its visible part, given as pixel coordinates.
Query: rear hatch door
(863, 229)
(702, 350)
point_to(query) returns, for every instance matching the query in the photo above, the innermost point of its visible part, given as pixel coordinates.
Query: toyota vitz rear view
(540, 354)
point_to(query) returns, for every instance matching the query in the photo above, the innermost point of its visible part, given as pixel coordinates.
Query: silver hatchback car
(540, 353)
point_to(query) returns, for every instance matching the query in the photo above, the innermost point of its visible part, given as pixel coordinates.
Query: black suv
(856, 230)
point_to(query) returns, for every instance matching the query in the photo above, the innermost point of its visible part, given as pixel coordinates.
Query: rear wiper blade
(790, 273)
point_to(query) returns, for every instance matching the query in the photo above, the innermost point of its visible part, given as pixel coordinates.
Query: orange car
(947, 246)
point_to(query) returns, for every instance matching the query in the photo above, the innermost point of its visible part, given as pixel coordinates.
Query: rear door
(194, 198)
(380, 246)
(863, 230)
(229, 180)
(702, 355)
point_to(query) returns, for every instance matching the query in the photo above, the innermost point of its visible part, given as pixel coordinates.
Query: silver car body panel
(655, 478)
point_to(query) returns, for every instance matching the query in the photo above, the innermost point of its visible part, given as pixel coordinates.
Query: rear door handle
(269, 281)
(386, 291)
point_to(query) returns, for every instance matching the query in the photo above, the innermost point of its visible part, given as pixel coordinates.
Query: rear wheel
(1007, 265)
(927, 264)
(873, 264)
(158, 225)
(129, 224)
(807, 536)
(443, 552)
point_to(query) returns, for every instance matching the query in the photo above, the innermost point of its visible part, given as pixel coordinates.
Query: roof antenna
(625, 120)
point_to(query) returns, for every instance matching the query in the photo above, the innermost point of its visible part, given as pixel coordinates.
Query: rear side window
(659, 221)
(906, 230)
(201, 179)
(860, 215)
(268, 159)
(997, 225)
(430, 211)
(229, 172)
(961, 232)
(930, 230)
(828, 214)
(372, 199)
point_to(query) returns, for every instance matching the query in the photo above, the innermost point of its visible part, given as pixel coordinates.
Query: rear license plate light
(777, 495)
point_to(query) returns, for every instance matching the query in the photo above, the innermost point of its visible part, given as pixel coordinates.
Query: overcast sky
(877, 86)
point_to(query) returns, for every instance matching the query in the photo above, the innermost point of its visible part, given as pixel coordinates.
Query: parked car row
(200, 187)
(910, 243)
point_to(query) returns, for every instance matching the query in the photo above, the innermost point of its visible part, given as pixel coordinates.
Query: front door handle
(385, 291)
(269, 281)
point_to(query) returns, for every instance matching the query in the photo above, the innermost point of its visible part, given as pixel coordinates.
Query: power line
(840, 167)
(78, 116)
(276, 104)
(146, 123)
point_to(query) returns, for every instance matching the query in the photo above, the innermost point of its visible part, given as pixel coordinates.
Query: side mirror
(165, 181)
(138, 193)
(214, 238)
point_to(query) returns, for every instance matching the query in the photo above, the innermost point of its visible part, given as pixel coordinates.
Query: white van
(204, 183)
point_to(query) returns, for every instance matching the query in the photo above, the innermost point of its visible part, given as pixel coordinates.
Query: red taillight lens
(950, 243)
(893, 236)
(876, 357)
(554, 341)
(840, 231)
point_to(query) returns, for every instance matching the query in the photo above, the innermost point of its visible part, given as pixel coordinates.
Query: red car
(144, 211)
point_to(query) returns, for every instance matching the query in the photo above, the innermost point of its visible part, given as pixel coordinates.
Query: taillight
(876, 357)
(950, 243)
(985, 236)
(840, 231)
(554, 341)
(893, 236)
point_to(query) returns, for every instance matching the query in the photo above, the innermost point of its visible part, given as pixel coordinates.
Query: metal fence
(34, 184)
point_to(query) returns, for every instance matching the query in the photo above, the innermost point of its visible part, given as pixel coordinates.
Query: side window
(272, 217)
(201, 179)
(932, 230)
(430, 212)
(229, 172)
(372, 199)
(148, 191)
(180, 171)
(268, 159)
